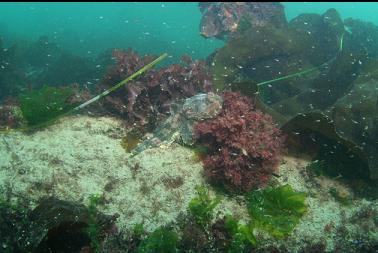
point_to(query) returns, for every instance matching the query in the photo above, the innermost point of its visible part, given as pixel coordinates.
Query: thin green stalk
(103, 94)
(308, 70)
(117, 86)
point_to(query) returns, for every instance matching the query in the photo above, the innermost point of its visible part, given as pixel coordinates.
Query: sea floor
(80, 156)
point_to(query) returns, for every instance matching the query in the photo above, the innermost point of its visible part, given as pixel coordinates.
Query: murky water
(188, 127)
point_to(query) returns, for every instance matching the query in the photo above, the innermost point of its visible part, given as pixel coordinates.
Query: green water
(361, 10)
(89, 28)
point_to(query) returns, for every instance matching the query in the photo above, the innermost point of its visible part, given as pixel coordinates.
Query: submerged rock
(179, 126)
(224, 19)
(57, 225)
(355, 117)
(147, 100)
(10, 114)
(315, 78)
(81, 156)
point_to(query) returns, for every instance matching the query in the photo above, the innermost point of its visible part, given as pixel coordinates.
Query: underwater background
(89, 28)
(189, 127)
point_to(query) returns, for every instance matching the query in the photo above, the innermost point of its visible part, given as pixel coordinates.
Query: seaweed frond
(277, 210)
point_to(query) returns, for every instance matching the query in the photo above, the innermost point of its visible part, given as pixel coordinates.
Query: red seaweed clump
(9, 117)
(149, 97)
(244, 145)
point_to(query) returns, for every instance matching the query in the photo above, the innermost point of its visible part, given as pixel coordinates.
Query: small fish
(348, 29)
(244, 152)
(275, 175)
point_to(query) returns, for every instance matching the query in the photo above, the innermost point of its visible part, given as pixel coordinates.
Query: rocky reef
(310, 76)
(224, 20)
(80, 157)
(208, 169)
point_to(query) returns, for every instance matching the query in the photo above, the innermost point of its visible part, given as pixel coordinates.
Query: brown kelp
(335, 100)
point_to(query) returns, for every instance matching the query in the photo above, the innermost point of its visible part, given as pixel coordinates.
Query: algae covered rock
(10, 114)
(270, 52)
(148, 100)
(56, 224)
(222, 19)
(347, 116)
(179, 126)
(356, 116)
(12, 220)
(314, 77)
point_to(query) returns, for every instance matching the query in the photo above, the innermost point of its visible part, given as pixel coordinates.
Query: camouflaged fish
(179, 126)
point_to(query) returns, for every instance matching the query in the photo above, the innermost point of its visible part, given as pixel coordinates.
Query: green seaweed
(93, 229)
(242, 236)
(244, 24)
(202, 206)
(162, 240)
(199, 152)
(276, 210)
(138, 230)
(41, 106)
(131, 140)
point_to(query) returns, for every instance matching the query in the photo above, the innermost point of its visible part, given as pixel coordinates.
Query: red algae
(244, 145)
